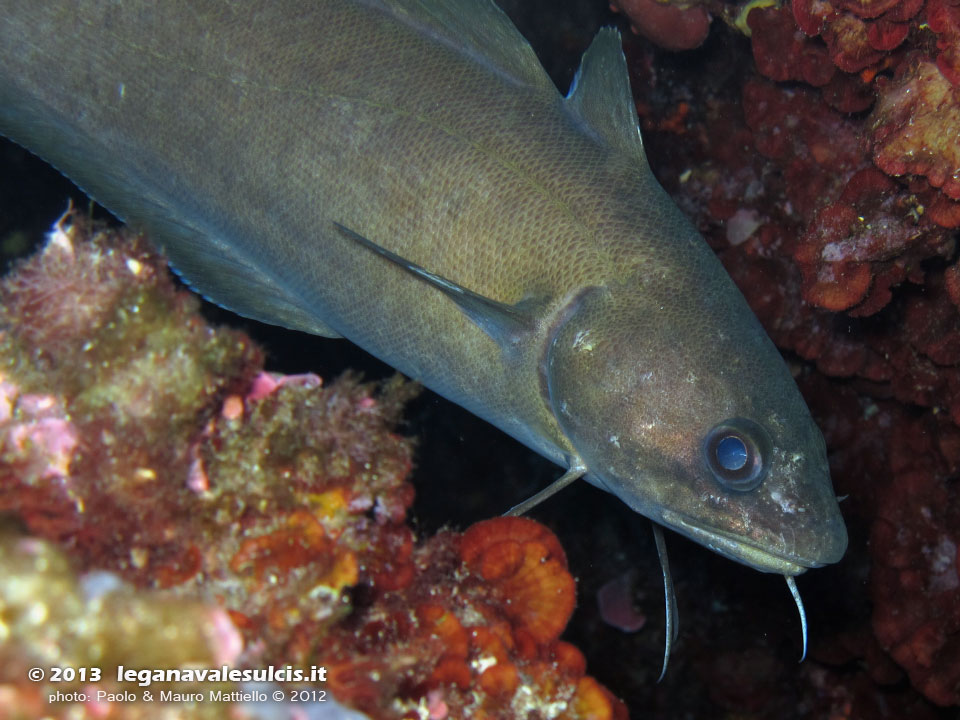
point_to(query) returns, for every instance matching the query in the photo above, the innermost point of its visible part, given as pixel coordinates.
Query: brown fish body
(582, 313)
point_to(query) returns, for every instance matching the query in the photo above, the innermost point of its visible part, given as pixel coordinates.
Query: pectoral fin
(577, 470)
(506, 324)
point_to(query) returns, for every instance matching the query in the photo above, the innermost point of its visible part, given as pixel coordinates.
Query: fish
(404, 174)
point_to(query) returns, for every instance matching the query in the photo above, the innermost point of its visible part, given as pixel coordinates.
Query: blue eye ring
(738, 454)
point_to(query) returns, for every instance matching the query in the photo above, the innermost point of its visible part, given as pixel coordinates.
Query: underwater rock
(849, 263)
(268, 511)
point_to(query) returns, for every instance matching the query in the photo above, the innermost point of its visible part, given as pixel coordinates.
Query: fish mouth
(737, 547)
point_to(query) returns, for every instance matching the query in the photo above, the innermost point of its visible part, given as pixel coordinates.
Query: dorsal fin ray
(477, 28)
(600, 98)
(506, 324)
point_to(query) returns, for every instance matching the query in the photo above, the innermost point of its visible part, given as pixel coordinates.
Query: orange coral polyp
(332, 502)
(300, 541)
(483, 535)
(500, 680)
(501, 560)
(595, 702)
(345, 571)
(188, 564)
(491, 642)
(526, 565)
(445, 626)
(542, 593)
(451, 671)
(569, 659)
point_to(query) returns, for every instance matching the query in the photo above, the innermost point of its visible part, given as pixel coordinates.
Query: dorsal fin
(477, 28)
(600, 97)
(506, 324)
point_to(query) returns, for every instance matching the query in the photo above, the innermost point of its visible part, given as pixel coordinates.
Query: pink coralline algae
(268, 512)
(782, 53)
(829, 63)
(844, 254)
(916, 126)
(943, 18)
(671, 25)
(857, 34)
(847, 51)
(868, 198)
(858, 231)
(915, 578)
(615, 604)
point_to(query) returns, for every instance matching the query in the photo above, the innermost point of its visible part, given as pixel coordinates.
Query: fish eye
(732, 453)
(737, 451)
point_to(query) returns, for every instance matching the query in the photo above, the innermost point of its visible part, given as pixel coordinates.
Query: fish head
(684, 409)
